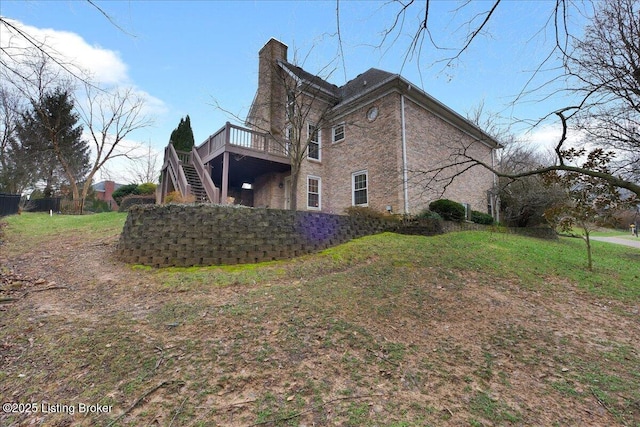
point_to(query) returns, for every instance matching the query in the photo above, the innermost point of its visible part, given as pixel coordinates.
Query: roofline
(298, 79)
(405, 87)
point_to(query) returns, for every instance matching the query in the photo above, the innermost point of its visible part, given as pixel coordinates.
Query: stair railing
(175, 171)
(213, 193)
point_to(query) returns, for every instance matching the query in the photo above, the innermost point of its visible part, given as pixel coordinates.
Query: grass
(469, 328)
(32, 228)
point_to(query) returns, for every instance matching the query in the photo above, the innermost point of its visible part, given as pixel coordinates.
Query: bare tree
(15, 174)
(603, 69)
(146, 168)
(463, 159)
(302, 105)
(589, 200)
(524, 201)
(46, 89)
(110, 117)
(19, 46)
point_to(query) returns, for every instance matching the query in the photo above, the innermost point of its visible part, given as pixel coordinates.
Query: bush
(448, 210)
(147, 188)
(176, 197)
(481, 218)
(427, 214)
(134, 199)
(364, 212)
(97, 206)
(124, 191)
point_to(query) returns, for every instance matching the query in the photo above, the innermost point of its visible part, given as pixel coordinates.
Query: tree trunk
(293, 196)
(589, 257)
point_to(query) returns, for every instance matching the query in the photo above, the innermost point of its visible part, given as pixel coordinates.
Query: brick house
(366, 143)
(104, 191)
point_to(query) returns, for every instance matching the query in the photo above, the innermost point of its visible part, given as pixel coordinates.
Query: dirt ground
(452, 351)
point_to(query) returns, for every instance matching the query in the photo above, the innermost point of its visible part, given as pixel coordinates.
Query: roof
(352, 88)
(372, 79)
(310, 78)
(100, 186)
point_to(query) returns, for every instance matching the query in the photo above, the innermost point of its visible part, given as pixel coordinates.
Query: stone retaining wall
(189, 235)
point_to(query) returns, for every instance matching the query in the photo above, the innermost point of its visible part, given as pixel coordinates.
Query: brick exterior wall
(371, 146)
(376, 147)
(267, 192)
(430, 143)
(190, 235)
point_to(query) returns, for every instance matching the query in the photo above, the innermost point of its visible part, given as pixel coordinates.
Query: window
(313, 192)
(288, 136)
(313, 134)
(467, 210)
(360, 183)
(337, 133)
(291, 104)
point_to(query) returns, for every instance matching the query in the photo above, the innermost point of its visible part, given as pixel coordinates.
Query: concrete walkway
(632, 241)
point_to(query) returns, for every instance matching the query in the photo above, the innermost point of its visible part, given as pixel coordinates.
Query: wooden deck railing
(240, 137)
(213, 193)
(175, 170)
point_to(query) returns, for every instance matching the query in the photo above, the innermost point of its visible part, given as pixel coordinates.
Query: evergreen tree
(49, 135)
(182, 136)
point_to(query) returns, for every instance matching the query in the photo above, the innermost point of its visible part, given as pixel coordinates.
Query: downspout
(405, 176)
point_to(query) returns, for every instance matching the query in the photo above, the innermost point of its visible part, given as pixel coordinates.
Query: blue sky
(187, 55)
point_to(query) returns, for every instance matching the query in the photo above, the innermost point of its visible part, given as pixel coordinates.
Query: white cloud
(545, 138)
(103, 65)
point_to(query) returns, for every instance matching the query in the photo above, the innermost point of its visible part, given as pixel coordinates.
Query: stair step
(197, 189)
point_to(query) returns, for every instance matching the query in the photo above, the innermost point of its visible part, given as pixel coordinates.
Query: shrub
(448, 210)
(481, 218)
(176, 197)
(97, 206)
(364, 212)
(134, 199)
(124, 191)
(147, 188)
(427, 214)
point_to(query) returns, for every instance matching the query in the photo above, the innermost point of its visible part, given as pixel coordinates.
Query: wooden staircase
(197, 189)
(185, 172)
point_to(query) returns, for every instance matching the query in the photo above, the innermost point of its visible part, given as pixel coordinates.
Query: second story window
(314, 142)
(291, 105)
(288, 136)
(337, 133)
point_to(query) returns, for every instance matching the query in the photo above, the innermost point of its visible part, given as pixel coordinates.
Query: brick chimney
(271, 96)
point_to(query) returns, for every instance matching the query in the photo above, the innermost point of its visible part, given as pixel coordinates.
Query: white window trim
(288, 133)
(319, 141)
(333, 133)
(290, 105)
(319, 207)
(353, 187)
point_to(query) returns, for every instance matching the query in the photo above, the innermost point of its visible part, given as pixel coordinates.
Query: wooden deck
(242, 141)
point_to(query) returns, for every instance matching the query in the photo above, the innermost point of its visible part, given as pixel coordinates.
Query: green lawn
(468, 328)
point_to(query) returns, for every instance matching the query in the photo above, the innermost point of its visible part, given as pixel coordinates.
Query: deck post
(225, 178)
